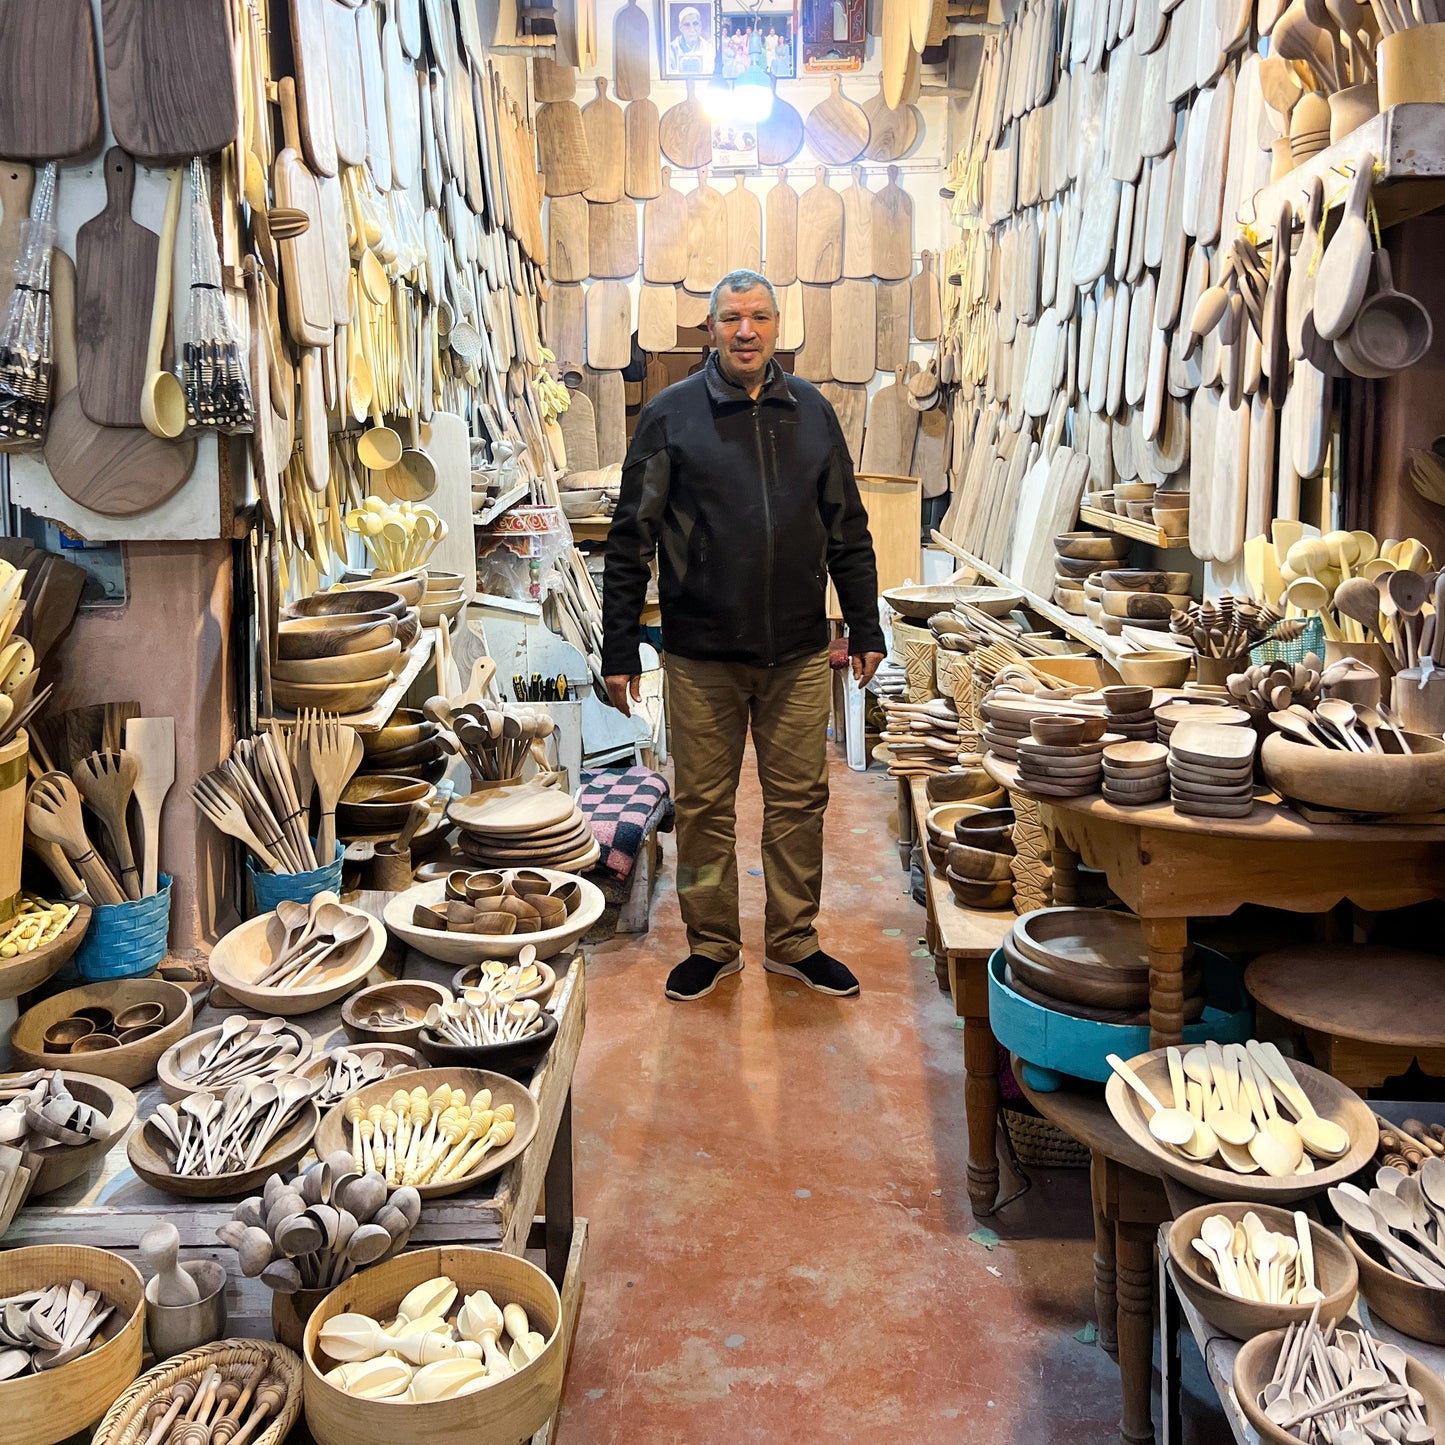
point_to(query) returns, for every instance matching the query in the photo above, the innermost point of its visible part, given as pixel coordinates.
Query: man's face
(745, 334)
(690, 26)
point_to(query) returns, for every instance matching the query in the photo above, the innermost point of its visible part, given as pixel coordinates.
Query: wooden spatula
(152, 742)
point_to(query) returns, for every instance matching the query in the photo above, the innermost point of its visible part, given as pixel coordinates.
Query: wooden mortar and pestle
(391, 868)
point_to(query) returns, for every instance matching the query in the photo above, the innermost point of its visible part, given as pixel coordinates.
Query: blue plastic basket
(125, 940)
(269, 889)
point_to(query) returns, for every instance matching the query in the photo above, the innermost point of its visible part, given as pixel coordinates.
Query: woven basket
(125, 940)
(1040, 1144)
(269, 889)
(125, 1422)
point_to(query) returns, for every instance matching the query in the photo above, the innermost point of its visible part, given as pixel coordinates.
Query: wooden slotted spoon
(106, 781)
(52, 812)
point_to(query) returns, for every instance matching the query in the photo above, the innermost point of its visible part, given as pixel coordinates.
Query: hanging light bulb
(752, 96)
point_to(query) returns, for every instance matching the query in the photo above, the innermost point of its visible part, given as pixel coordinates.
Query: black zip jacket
(749, 506)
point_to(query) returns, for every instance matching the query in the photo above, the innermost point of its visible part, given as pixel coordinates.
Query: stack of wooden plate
(1136, 773)
(524, 825)
(1008, 716)
(922, 738)
(1091, 963)
(445, 596)
(1169, 715)
(1057, 762)
(1211, 770)
(1129, 712)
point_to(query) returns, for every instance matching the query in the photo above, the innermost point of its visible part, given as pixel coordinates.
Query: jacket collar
(723, 392)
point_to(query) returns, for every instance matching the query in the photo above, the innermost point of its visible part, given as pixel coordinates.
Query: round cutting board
(523, 808)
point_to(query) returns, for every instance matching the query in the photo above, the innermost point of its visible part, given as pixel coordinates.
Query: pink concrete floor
(779, 1216)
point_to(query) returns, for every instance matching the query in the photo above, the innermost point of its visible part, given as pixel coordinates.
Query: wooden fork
(52, 812)
(227, 814)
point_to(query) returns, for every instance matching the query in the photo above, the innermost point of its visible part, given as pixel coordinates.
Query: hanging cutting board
(892, 424)
(609, 404)
(612, 240)
(562, 149)
(744, 217)
(892, 231)
(790, 324)
(403, 122)
(606, 131)
(836, 128)
(334, 244)
(373, 97)
(1175, 247)
(566, 324)
(309, 319)
(551, 81)
(1161, 174)
(1094, 240)
(706, 236)
(814, 359)
(1204, 430)
(446, 440)
(854, 329)
(1140, 332)
(850, 405)
(820, 232)
(892, 306)
(115, 261)
(17, 180)
(632, 52)
(891, 132)
(780, 227)
(343, 63)
(313, 85)
(657, 318)
(567, 239)
(685, 133)
(49, 96)
(642, 170)
(858, 227)
(1216, 159)
(609, 326)
(664, 234)
(780, 136)
(897, 46)
(578, 425)
(116, 471)
(169, 77)
(1259, 499)
(930, 450)
(691, 308)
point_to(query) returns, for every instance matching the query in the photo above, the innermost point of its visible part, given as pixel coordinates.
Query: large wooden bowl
(462, 948)
(411, 996)
(371, 802)
(61, 1163)
(381, 661)
(406, 727)
(1254, 1367)
(346, 603)
(244, 954)
(42, 1409)
(1335, 1274)
(173, 1066)
(1098, 546)
(1413, 1308)
(1390, 782)
(26, 971)
(128, 1064)
(920, 603)
(341, 697)
(146, 1150)
(1331, 1099)
(335, 1132)
(303, 637)
(512, 1409)
(411, 584)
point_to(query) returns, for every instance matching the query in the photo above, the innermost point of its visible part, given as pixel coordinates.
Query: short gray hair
(743, 280)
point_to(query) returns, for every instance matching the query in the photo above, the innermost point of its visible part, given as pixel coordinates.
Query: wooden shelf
(376, 716)
(493, 510)
(590, 529)
(1079, 628)
(1148, 532)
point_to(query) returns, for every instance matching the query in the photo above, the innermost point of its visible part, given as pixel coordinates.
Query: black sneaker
(696, 976)
(819, 972)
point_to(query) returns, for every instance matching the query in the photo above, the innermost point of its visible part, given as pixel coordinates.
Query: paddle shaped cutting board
(606, 130)
(664, 234)
(891, 304)
(780, 136)
(706, 236)
(850, 405)
(814, 358)
(854, 331)
(780, 229)
(891, 132)
(892, 231)
(115, 262)
(892, 424)
(303, 257)
(566, 324)
(858, 227)
(49, 96)
(657, 318)
(642, 170)
(632, 52)
(313, 85)
(836, 128)
(744, 214)
(567, 239)
(343, 61)
(820, 232)
(927, 310)
(685, 133)
(373, 97)
(790, 324)
(612, 239)
(551, 81)
(609, 326)
(609, 403)
(562, 149)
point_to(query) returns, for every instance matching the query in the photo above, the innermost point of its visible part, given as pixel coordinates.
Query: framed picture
(734, 147)
(764, 39)
(835, 35)
(685, 39)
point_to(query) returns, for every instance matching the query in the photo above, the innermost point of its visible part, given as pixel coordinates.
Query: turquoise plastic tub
(268, 889)
(125, 940)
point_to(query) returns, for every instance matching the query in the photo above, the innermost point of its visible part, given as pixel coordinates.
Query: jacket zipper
(768, 525)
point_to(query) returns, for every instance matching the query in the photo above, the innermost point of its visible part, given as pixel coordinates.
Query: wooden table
(111, 1208)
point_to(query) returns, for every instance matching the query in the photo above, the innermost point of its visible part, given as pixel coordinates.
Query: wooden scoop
(162, 399)
(1391, 331)
(106, 781)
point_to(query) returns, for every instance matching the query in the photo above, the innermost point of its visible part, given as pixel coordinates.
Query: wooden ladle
(106, 781)
(1391, 331)
(162, 399)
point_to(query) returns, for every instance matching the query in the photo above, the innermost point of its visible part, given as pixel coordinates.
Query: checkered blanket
(622, 807)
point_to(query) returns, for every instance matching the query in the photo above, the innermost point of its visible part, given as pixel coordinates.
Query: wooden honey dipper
(269, 1400)
(225, 1426)
(162, 1416)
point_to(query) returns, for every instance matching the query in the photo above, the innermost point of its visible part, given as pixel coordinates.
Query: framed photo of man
(685, 39)
(764, 39)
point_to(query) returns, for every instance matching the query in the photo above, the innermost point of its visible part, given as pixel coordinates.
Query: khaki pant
(710, 708)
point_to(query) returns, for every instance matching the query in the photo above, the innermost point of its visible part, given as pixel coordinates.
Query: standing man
(739, 480)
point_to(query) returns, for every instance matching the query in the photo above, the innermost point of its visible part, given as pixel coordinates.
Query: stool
(1366, 1013)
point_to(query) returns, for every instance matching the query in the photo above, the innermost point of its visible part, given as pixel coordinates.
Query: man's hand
(863, 668)
(619, 685)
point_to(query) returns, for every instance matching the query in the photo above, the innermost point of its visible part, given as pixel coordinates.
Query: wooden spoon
(1169, 1126)
(152, 742)
(1344, 270)
(162, 399)
(106, 781)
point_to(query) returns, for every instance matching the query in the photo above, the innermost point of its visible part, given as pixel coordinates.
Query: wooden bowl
(128, 1064)
(991, 829)
(172, 1068)
(245, 953)
(1099, 942)
(518, 1058)
(471, 975)
(373, 802)
(1135, 491)
(459, 948)
(310, 637)
(1077, 568)
(1145, 606)
(978, 865)
(433, 612)
(28, 971)
(413, 997)
(346, 603)
(939, 822)
(404, 760)
(335, 1132)
(1255, 1363)
(1172, 521)
(921, 603)
(377, 662)
(406, 727)
(393, 1056)
(1412, 1308)
(339, 697)
(147, 1154)
(960, 787)
(64, 1163)
(1154, 669)
(513, 1408)
(1058, 731)
(1097, 546)
(1331, 1099)
(411, 584)
(1335, 1274)
(972, 894)
(42, 1409)
(440, 580)
(1065, 984)
(1380, 783)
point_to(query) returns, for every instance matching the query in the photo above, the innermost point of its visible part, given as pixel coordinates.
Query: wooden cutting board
(896, 48)
(313, 85)
(691, 308)
(402, 120)
(566, 324)
(642, 169)
(892, 425)
(836, 128)
(17, 180)
(664, 234)
(820, 232)
(609, 326)
(115, 261)
(612, 240)
(790, 326)
(706, 236)
(854, 331)
(780, 227)
(892, 231)
(551, 81)
(632, 52)
(892, 304)
(657, 318)
(567, 239)
(445, 439)
(49, 95)
(169, 77)
(578, 425)
(562, 149)
(858, 227)
(606, 131)
(814, 359)
(1140, 333)
(780, 136)
(891, 133)
(685, 133)
(303, 257)
(850, 405)
(609, 404)
(744, 216)
(373, 97)
(343, 62)
(408, 20)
